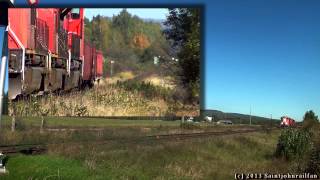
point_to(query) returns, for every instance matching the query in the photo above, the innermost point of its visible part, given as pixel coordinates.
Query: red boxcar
(87, 63)
(99, 65)
(94, 62)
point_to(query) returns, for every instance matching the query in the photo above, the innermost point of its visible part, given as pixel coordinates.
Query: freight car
(47, 51)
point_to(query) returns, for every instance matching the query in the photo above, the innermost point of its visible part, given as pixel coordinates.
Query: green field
(218, 157)
(73, 129)
(88, 122)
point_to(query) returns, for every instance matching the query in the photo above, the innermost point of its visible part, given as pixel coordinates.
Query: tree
(184, 33)
(310, 119)
(128, 39)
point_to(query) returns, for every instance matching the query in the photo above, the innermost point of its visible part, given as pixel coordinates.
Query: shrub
(147, 89)
(313, 165)
(310, 120)
(80, 110)
(314, 161)
(20, 124)
(293, 143)
(189, 125)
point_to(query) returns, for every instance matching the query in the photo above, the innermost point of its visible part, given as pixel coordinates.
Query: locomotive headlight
(33, 2)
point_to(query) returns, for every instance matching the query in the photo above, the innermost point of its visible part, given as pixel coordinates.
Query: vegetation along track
(40, 148)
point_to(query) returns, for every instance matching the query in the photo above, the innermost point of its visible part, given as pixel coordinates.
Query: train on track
(287, 122)
(48, 52)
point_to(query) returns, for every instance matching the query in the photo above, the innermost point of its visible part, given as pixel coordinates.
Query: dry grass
(122, 76)
(109, 99)
(156, 80)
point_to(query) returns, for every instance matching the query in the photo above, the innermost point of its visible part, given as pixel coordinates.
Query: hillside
(128, 39)
(237, 117)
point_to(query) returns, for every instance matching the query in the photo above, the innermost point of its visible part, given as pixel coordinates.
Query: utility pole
(2, 82)
(111, 67)
(4, 58)
(250, 114)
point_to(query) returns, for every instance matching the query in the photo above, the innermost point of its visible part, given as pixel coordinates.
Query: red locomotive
(47, 51)
(287, 122)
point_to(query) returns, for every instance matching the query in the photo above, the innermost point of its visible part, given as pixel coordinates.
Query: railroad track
(39, 148)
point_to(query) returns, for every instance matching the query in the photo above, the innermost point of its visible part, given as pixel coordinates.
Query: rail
(37, 148)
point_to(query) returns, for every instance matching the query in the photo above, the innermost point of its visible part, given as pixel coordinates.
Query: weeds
(127, 98)
(313, 165)
(293, 143)
(187, 125)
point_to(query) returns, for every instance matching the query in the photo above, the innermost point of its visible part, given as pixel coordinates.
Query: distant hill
(160, 21)
(237, 117)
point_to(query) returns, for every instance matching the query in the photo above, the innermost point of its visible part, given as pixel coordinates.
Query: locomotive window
(75, 13)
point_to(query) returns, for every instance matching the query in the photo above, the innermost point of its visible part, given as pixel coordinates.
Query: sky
(153, 13)
(263, 54)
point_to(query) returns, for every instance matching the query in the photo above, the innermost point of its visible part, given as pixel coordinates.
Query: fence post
(42, 124)
(13, 120)
(13, 123)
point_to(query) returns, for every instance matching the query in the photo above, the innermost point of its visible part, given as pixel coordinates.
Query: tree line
(127, 38)
(134, 43)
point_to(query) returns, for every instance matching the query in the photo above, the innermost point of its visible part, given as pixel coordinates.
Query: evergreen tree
(310, 119)
(184, 32)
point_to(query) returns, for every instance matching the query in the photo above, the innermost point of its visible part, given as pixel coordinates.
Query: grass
(216, 157)
(87, 122)
(123, 98)
(67, 129)
(45, 167)
(76, 129)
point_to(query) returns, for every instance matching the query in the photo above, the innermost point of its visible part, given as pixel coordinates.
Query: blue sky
(264, 54)
(153, 13)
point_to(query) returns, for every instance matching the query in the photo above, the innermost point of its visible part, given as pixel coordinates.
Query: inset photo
(133, 62)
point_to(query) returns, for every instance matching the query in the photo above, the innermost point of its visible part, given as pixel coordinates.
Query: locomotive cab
(287, 122)
(75, 13)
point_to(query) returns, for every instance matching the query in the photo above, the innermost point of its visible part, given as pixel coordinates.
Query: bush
(20, 124)
(146, 89)
(189, 125)
(293, 143)
(314, 161)
(310, 120)
(80, 110)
